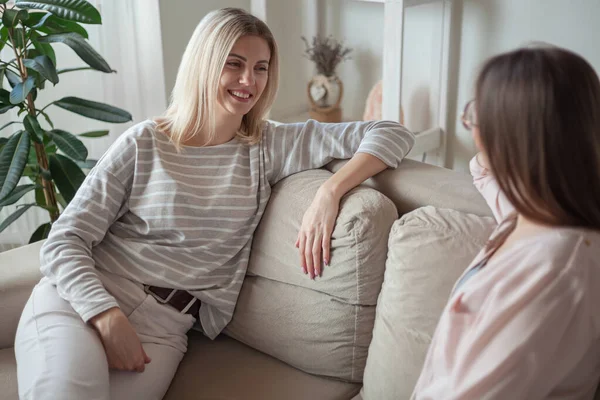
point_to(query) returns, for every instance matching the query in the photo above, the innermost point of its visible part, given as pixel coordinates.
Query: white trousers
(61, 357)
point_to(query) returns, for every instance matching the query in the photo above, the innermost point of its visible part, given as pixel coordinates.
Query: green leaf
(38, 19)
(21, 90)
(33, 53)
(14, 216)
(69, 144)
(7, 125)
(45, 48)
(46, 139)
(5, 108)
(3, 38)
(81, 47)
(40, 81)
(94, 110)
(32, 156)
(61, 200)
(11, 17)
(19, 37)
(4, 96)
(16, 194)
(65, 70)
(41, 233)
(12, 78)
(44, 66)
(12, 161)
(3, 141)
(40, 199)
(49, 24)
(72, 10)
(47, 118)
(94, 134)
(31, 172)
(32, 126)
(87, 164)
(51, 148)
(66, 174)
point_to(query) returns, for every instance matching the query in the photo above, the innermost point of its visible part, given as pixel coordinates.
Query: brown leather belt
(178, 299)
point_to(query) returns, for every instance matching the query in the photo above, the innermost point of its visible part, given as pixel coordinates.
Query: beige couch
(293, 338)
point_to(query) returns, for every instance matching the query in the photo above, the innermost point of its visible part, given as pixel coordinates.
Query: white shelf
(407, 3)
(427, 141)
(434, 140)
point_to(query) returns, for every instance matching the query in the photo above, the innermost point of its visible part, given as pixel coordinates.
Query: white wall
(289, 20)
(360, 26)
(486, 27)
(493, 26)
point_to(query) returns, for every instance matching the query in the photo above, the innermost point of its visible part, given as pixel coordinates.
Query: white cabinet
(430, 142)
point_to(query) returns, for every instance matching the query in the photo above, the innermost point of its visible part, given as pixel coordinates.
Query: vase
(325, 95)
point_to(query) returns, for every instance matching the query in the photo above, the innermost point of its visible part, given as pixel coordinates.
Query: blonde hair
(194, 96)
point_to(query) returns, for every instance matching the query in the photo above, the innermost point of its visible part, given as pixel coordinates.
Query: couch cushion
(225, 369)
(415, 184)
(428, 250)
(8, 374)
(19, 273)
(283, 313)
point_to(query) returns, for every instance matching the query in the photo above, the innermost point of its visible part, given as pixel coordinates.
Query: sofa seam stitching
(356, 264)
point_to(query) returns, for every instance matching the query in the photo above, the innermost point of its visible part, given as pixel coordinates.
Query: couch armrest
(19, 273)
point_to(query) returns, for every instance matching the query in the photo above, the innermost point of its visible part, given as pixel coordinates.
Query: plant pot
(325, 95)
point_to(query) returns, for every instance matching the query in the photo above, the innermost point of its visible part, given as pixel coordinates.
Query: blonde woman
(523, 321)
(158, 237)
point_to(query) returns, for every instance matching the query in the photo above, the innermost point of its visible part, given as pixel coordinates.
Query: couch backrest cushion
(415, 184)
(429, 249)
(323, 326)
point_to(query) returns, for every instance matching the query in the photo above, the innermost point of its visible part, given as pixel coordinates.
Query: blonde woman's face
(244, 75)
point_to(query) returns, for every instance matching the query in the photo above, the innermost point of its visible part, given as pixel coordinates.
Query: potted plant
(52, 159)
(325, 90)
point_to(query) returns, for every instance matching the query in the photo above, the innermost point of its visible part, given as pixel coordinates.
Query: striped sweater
(186, 220)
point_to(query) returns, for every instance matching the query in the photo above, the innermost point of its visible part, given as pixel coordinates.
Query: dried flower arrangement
(326, 53)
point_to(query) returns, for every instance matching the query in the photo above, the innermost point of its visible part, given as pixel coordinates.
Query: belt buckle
(147, 289)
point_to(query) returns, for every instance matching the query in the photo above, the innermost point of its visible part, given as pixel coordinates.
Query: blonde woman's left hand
(314, 238)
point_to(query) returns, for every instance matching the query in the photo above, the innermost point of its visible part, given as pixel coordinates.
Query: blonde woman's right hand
(122, 345)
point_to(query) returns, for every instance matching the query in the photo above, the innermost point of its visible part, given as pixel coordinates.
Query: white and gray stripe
(185, 220)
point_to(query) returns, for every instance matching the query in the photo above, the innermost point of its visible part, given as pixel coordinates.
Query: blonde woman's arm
(372, 147)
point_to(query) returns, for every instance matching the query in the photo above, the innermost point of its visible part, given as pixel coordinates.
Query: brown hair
(538, 113)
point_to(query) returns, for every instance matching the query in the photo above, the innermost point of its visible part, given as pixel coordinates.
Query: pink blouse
(527, 325)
